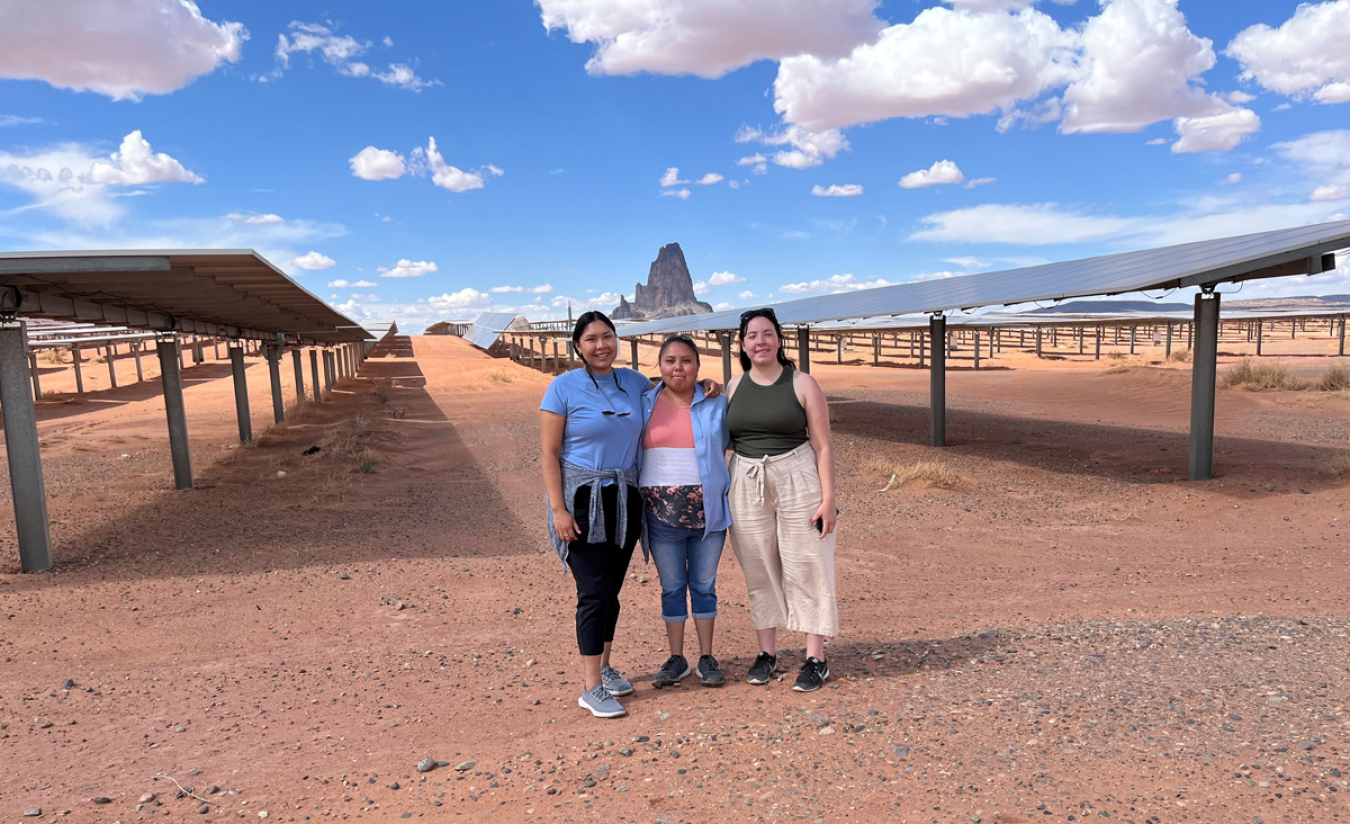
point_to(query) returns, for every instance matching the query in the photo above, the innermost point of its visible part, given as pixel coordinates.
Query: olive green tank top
(766, 420)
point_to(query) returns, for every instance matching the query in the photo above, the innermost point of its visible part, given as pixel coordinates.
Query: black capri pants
(599, 569)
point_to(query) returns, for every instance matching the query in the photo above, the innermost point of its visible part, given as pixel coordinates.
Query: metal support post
(724, 340)
(299, 375)
(136, 350)
(1038, 341)
(804, 349)
(1203, 374)
(1259, 325)
(876, 349)
(273, 355)
(923, 349)
(977, 351)
(1169, 339)
(171, 383)
(1097, 341)
(178, 347)
(79, 373)
(240, 392)
(35, 374)
(1341, 348)
(112, 368)
(1133, 330)
(21, 449)
(937, 382)
(316, 388)
(633, 348)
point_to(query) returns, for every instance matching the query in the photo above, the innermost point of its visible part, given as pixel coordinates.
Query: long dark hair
(586, 319)
(750, 315)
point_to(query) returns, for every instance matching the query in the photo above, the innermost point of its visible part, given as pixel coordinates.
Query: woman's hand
(711, 388)
(565, 526)
(826, 516)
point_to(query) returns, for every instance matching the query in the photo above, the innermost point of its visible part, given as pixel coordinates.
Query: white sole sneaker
(600, 713)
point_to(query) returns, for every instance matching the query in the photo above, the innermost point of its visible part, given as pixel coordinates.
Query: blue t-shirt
(603, 425)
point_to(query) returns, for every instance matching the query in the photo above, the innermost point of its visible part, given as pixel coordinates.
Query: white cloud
(1238, 98)
(682, 194)
(837, 190)
(341, 52)
(1157, 141)
(980, 181)
(338, 284)
(943, 171)
(701, 287)
(266, 218)
(466, 298)
(1134, 64)
(71, 182)
(1139, 61)
(746, 295)
(831, 285)
(429, 160)
(672, 177)
(946, 62)
(707, 38)
(1305, 57)
(136, 164)
(1052, 224)
(1031, 224)
(1217, 132)
(1334, 192)
(543, 289)
(377, 164)
(408, 269)
(16, 120)
(725, 279)
(342, 284)
(809, 148)
(709, 179)
(314, 260)
(1235, 177)
(759, 161)
(121, 50)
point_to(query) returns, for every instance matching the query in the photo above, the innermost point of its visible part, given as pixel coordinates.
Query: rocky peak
(669, 291)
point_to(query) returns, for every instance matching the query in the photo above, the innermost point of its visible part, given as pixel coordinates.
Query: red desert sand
(1070, 632)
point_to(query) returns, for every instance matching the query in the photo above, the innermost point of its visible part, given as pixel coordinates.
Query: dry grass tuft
(1340, 465)
(346, 440)
(1180, 356)
(302, 411)
(1260, 377)
(1335, 378)
(501, 376)
(933, 474)
(50, 356)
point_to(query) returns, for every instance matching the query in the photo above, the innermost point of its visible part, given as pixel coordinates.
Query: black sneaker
(763, 669)
(708, 671)
(813, 674)
(672, 672)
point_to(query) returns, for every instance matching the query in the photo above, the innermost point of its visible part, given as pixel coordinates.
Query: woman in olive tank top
(782, 500)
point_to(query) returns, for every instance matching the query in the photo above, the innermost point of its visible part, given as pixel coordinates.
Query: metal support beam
(273, 355)
(171, 382)
(937, 381)
(1169, 339)
(241, 393)
(1341, 348)
(79, 373)
(724, 339)
(315, 386)
(112, 368)
(1203, 373)
(299, 375)
(21, 450)
(977, 351)
(804, 349)
(35, 374)
(136, 351)
(633, 346)
(1259, 326)
(1038, 342)
(876, 349)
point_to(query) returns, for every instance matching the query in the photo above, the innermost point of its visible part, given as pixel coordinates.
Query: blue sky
(429, 161)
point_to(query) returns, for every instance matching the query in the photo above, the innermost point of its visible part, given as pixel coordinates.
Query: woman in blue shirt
(591, 421)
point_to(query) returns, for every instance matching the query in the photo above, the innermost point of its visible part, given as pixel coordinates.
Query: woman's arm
(817, 409)
(551, 435)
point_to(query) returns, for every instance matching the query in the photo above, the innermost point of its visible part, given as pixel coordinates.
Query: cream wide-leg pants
(789, 568)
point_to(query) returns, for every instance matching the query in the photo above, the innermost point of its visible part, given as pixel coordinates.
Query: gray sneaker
(614, 682)
(601, 703)
(674, 670)
(709, 672)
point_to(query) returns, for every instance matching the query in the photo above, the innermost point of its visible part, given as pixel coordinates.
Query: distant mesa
(669, 292)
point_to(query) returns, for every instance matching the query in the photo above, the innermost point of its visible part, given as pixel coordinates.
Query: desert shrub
(368, 462)
(1260, 377)
(932, 473)
(1180, 356)
(346, 440)
(1340, 465)
(1334, 378)
(501, 376)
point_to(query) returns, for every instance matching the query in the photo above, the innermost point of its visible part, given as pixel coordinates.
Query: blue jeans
(686, 561)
